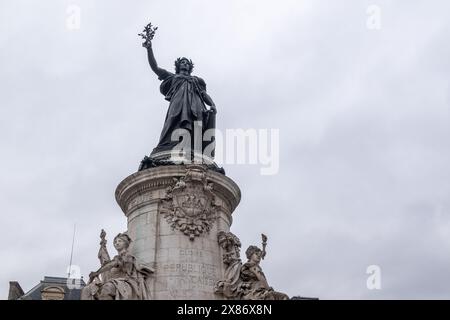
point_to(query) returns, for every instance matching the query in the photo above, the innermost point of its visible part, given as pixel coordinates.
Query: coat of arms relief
(189, 205)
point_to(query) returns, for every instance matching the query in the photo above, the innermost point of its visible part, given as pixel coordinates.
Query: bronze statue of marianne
(187, 102)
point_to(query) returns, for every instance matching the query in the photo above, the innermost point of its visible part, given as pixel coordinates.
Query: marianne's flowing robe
(186, 106)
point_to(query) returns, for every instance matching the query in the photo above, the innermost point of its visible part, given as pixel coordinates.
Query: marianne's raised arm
(151, 59)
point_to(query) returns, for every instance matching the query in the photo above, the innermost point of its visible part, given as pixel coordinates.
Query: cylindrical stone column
(174, 213)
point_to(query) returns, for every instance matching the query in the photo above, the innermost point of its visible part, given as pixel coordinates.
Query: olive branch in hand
(147, 34)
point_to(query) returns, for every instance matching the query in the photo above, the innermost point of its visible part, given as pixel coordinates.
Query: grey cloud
(363, 118)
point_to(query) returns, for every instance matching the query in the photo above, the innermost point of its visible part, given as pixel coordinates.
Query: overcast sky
(363, 115)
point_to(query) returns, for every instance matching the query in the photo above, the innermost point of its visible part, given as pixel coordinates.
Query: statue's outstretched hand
(92, 275)
(147, 44)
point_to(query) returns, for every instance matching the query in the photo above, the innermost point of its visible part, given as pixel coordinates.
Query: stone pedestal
(174, 215)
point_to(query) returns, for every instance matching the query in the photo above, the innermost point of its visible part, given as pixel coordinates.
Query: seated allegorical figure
(120, 278)
(254, 284)
(244, 281)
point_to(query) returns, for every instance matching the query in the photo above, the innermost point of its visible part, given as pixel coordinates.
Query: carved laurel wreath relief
(189, 205)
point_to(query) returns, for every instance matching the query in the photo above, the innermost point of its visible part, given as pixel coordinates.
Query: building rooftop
(50, 288)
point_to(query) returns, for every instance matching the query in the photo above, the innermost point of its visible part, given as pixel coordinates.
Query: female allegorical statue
(244, 281)
(187, 96)
(120, 278)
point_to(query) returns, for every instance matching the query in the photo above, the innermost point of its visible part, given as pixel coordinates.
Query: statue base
(167, 158)
(175, 213)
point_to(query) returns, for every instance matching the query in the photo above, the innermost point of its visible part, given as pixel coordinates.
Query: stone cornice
(160, 178)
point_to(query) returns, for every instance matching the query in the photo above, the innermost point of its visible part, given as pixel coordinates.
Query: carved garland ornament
(189, 205)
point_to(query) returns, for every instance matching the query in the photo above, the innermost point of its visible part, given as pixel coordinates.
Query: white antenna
(71, 252)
